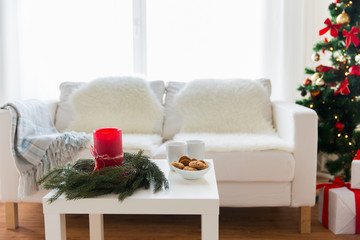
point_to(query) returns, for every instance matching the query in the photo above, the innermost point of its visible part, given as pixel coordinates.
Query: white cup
(174, 150)
(195, 149)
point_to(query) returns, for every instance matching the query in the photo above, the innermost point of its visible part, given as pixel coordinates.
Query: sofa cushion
(259, 166)
(65, 112)
(124, 102)
(222, 106)
(173, 119)
(230, 142)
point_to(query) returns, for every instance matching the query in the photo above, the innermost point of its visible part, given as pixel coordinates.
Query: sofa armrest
(298, 125)
(9, 176)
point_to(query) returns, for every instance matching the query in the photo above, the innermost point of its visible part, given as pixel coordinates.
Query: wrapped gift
(355, 172)
(339, 207)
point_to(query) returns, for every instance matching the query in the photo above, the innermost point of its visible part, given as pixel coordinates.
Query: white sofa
(262, 178)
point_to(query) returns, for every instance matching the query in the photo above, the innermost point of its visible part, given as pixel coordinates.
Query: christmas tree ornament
(315, 57)
(339, 126)
(320, 82)
(354, 70)
(343, 18)
(307, 82)
(343, 58)
(315, 94)
(357, 58)
(343, 88)
(303, 93)
(315, 76)
(351, 37)
(334, 28)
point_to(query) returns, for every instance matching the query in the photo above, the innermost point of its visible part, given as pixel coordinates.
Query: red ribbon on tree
(322, 68)
(338, 183)
(343, 88)
(351, 37)
(334, 28)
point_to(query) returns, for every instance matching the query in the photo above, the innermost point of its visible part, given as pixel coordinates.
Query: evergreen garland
(77, 180)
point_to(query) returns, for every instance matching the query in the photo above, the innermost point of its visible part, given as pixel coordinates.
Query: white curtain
(279, 43)
(10, 73)
(292, 28)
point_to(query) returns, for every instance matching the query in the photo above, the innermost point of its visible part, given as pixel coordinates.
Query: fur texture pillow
(223, 106)
(124, 102)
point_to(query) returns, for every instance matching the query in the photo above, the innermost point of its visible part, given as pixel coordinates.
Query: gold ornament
(315, 76)
(343, 18)
(320, 82)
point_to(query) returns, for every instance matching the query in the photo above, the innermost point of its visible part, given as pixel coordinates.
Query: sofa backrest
(173, 119)
(65, 111)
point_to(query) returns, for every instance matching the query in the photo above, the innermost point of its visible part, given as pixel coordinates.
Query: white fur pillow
(124, 102)
(223, 106)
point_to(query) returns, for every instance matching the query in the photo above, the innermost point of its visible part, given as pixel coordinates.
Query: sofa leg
(11, 215)
(305, 219)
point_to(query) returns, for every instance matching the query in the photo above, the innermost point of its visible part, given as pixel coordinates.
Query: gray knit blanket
(37, 145)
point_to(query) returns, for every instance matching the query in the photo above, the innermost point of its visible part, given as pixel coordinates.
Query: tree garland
(78, 180)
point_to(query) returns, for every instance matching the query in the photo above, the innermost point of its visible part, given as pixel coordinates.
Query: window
(81, 40)
(203, 38)
(73, 40)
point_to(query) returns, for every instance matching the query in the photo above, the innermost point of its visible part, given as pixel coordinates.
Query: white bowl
(192, 174)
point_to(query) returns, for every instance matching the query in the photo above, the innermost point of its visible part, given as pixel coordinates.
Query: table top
(183, 197)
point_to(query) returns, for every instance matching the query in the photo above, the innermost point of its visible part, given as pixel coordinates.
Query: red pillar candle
(108, 148)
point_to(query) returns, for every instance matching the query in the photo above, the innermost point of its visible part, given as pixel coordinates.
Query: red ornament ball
(339, 126)
(354, 70)
(307, 82)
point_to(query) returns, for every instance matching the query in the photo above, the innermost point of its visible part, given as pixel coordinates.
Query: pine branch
(78, 180)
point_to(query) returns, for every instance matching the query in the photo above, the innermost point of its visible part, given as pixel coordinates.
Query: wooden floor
(235, 223)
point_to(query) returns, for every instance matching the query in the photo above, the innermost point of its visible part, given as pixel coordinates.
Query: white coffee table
(187, 197)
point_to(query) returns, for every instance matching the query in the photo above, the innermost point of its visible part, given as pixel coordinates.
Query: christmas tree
(334, 91)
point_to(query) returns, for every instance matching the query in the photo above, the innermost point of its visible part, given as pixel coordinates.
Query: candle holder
(107, 149)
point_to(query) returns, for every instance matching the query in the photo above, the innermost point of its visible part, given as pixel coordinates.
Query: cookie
(177, 164)
(187, 168)
(194, 164)
(202, 165)
(184, 157)
(185, 161)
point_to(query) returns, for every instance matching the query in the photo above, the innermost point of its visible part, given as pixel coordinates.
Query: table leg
(55, 226)
(209, 227)
(96, 225)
